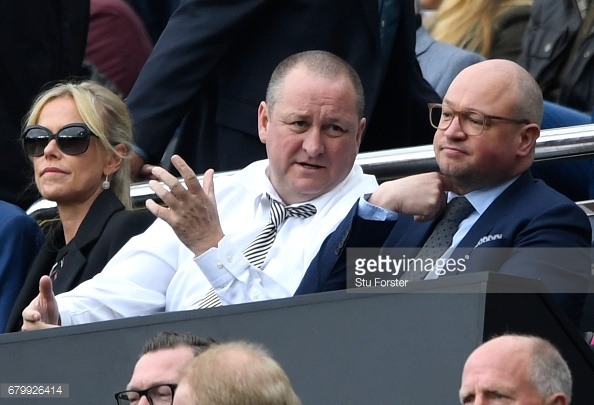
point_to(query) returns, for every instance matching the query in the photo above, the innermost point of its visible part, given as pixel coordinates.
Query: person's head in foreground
(312, 123)
(158, 370)
(236, 373)
(78, 136)
(516, 369)
(487, 125)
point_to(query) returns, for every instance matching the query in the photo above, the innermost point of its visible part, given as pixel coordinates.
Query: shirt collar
(482, 198)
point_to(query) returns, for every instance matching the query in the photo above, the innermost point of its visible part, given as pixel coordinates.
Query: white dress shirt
(154, 271)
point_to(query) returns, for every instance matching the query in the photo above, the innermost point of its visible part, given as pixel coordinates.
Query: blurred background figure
(78, 137)
(210, 68)
(440, 62)
(20, 240)
(557, 50)
(118, 43)
(41, 41)
(493, 28)
(154, 14)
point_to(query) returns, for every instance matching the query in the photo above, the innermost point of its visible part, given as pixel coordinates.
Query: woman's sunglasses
(72, 139)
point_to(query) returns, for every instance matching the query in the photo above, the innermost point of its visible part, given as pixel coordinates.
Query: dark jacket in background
(508, 29)
(212, 64)
(41, 41)
(551, 33)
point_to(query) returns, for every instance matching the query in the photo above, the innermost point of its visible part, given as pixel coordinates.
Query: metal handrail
(553, 144)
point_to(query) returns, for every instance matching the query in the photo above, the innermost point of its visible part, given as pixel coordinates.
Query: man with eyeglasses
(158, 371)
(484, 144)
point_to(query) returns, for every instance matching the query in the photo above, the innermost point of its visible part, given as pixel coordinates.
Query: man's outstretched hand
(42, 312)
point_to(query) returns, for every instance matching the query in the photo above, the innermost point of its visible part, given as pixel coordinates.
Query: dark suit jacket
(20, 241)
(41, 41)
(213, 62)
(105, 229)
(528, 214)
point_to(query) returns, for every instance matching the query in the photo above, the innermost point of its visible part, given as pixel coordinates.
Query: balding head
(495, 79)
(488, 126)
(525, 370)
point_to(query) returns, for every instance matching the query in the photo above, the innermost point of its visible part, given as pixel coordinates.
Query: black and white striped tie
(257, 250)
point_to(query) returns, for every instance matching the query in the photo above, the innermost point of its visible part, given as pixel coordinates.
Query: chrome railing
(553, 144)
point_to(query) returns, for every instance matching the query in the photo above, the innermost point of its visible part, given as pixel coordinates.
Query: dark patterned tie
(257, 250)
(441, 239)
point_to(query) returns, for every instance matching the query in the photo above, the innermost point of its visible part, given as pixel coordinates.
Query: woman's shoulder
(137, 219)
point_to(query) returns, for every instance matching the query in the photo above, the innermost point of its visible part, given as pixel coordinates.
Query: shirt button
(229, 258)
(587, 54)
(219, 265)
(548, 47)
(256, 296)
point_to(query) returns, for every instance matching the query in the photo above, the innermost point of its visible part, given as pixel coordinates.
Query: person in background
(117, 44)
(493, 28)
(154, 14)
(235, 373)
(516, 369)
(20, 241)
(78, 137)
(41, 41)
(209, 71)
(440, 62)
(557, 50)
(157, 372)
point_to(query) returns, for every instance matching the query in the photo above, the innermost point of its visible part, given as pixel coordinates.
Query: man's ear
(557, 399)
(263, 120)
(528, 137)
(114, 161)
(360, 130)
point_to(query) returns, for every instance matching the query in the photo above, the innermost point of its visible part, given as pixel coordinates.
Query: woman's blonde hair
(106, 116)
(469, 24)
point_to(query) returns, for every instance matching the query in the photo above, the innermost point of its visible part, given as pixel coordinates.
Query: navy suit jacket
(528, 214)
(211, 67)
(20, 240)
(105, 229)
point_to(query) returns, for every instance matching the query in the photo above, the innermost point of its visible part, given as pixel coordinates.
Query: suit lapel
(408, 233)
(90, 230)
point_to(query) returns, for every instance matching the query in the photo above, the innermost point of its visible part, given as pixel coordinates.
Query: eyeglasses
(471, 122)
(72, 139)
(158, 395)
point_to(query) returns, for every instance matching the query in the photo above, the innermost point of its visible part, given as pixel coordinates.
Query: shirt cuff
(370, 212)
(222, 264)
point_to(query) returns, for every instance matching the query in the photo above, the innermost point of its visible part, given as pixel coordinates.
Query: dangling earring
(105, 185)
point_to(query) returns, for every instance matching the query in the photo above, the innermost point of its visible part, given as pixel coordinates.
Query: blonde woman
(493, 28)
(78, 137)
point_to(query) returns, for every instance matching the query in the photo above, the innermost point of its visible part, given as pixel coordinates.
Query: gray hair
(530, 100)
(549, 371)
(323, 63)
